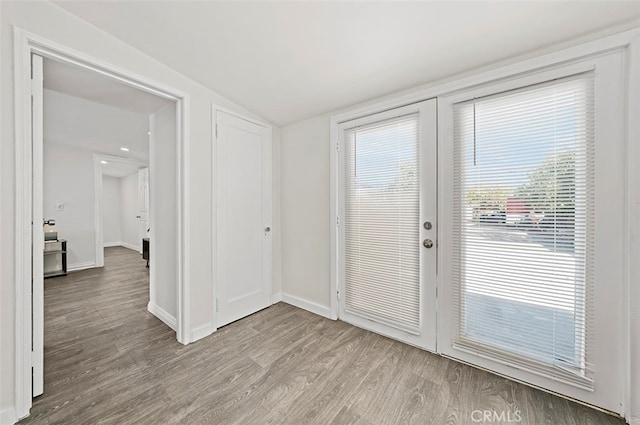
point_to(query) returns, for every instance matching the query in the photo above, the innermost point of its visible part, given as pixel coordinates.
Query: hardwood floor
(108, 361)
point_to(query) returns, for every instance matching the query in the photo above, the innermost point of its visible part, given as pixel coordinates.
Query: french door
(387, 223)
(532, 201)
(530, 225)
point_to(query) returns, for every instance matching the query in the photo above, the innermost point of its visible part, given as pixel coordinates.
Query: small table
(55, 258)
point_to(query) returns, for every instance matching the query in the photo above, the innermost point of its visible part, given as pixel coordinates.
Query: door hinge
(216, 131)
(338, 295)
(338, 146)
(337, 221)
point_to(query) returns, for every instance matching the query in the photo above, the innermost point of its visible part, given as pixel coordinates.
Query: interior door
(243, 272)
(143, 208)
(37, 356)
(387, 223)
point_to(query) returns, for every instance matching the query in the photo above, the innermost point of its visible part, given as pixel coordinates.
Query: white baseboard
(318, 309)
(81, 266)
(202, 332)
(110, 244)
(8, 416)
(161, 314)
(131, 246)
(276, 298)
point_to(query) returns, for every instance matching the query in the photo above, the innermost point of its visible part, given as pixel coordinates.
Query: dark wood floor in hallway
(108, 361)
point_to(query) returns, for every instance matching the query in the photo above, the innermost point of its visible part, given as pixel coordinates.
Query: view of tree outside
(549, 191)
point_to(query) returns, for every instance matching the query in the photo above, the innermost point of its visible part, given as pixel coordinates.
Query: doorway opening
(36, 55)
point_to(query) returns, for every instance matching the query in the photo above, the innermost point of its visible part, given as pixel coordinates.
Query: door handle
(427, 243)
(267, 229)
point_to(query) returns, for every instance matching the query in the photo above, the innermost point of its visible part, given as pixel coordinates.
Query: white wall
(163, 213)
(68, 179)
(128, 211)
(111, 210)
(633, 112)
(306, 228)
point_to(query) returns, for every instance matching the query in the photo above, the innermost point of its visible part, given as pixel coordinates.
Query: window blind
(381, 225)
(523, 226)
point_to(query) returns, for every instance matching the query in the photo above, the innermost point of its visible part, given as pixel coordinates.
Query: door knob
(428, 243)
(267, 229)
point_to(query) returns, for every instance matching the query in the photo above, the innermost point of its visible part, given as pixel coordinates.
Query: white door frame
(98, 213)
(214, 199)
(25, 44)
(606, 349)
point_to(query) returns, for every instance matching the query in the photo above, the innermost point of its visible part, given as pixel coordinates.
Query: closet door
(387, 223)
(244, 199)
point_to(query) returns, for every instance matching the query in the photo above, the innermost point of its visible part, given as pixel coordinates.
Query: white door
(143, 208)
(37, 355)
(243, 272)
(387, 223)
(531, 228)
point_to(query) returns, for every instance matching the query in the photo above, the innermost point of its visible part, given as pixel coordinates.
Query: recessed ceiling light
(103, 162)
(124, 149)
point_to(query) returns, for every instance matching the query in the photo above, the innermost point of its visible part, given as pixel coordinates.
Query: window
(382, 216)
(523, 217)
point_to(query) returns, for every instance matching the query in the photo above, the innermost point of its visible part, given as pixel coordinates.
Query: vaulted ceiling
(288, 61)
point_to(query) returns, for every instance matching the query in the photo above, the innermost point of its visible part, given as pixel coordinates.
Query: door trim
(26, 43)
(97, 199)
(214, 203)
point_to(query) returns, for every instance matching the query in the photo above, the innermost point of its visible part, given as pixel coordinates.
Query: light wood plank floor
(108, 361)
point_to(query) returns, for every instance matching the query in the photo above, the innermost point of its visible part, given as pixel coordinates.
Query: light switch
(59, 206)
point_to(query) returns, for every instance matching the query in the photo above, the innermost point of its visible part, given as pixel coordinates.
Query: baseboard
(202, 332)
(131, 246)
(276, 298)
(110, 244)
(81, 266)
(8, 416)
(307, 305)
(161, 314)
